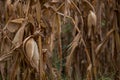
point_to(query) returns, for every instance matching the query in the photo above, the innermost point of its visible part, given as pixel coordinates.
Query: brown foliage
(31, 31)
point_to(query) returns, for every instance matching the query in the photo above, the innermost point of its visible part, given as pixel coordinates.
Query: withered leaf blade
(100, 46)
(19, 35)
(12, 27)
(117, 38)
(19, 20)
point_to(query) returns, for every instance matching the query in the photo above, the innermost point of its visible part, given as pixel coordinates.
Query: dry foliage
(32, 30)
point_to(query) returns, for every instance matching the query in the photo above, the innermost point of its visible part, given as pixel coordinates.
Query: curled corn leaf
(19, 21)
(19, 36)
(12, 27)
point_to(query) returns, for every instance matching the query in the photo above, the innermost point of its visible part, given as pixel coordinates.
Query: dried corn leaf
(87, 6)
(55, 1)
(100, 46)
(117, 38)
(26, 7)
(15, 67)
(12, 27)
(19, 20)
(31, 19)
(9, 7)
(19, 35)
(70, 57)
(4, 57)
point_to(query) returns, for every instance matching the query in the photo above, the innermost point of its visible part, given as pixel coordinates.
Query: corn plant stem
(93, 61)
(59, 42)
(93, 55)
(41, 68)
(41, 57)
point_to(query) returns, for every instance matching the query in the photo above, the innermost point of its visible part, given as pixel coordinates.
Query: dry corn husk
(91, 22)
(31, 52)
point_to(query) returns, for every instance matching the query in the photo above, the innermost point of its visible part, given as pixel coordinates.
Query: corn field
(59, 39)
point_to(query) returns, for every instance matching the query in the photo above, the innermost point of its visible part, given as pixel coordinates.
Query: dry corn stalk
(13, 13)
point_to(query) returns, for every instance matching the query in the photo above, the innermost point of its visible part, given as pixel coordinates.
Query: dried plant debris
(59, 39)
